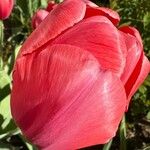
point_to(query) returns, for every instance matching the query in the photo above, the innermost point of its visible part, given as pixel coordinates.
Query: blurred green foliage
(18, 27)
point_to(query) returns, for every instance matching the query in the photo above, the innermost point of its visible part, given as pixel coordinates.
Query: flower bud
(38, 17)
(5, 8)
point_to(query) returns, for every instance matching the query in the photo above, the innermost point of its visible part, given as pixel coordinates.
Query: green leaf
(4, 85)
(4, 79)
(12, 59)
(5, 113)
(17, 48)
(30, 147)
(6, 122)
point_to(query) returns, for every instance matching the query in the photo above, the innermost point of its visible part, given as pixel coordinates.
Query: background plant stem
(1, 41)
(1, 34)
(108, 145)
(122, 133)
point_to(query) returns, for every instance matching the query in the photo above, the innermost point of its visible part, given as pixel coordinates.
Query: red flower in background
(51, 5)
(75, 75)
(5, 8)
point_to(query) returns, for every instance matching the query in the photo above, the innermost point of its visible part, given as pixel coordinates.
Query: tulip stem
(30, 8)
(1, 35)
(122, 132)
(1, 42)
(108, 145)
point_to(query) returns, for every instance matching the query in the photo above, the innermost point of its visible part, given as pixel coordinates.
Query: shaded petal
(135, 71)
(94, 10)
(99, 36)
(62, 17)
(133, 31)
(66, 101)
(133, 55)
(144, 71)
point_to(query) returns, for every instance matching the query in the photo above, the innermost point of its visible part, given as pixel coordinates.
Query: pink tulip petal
(99, 36)
(62, 17)
(94, 10)
(133, 56)
(90, 4)
(66, 101)
(135, 70)
(144, 71)
(132, 31)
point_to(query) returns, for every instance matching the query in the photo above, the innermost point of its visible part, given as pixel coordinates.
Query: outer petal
(133, 55)
(90, 4)
(38, 17)
(67, 101)
(62, 17)
(135, 70)
(145, 70)
(133, 31)
(94, 10)
(99, 36)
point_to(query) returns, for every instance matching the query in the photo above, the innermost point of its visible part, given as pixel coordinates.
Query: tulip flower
(75, 75)
(38, 17)
(5, 8)
(51, 6)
